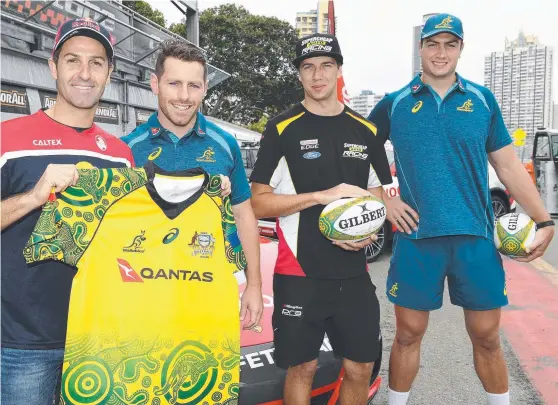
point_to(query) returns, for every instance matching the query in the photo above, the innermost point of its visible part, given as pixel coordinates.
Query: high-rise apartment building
(365, 102)
(313, 21)
(521, 79)
(306, 23)
(417, 66)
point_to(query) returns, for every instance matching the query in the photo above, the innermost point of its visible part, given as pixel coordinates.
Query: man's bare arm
(16, 207)
(512, 173)
(377, 192)
(248, 233)
(267, 204)
(57, 177)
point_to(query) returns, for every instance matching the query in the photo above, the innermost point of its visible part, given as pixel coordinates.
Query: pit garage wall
(26, 78)
(18, 70)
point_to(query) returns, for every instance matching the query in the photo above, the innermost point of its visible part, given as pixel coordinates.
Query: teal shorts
(472, 265)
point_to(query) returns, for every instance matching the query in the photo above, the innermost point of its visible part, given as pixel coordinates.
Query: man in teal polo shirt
(178, 137)
(444, 130)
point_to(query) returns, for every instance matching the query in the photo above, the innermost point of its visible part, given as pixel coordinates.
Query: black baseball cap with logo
(317, 45)
(84, 27)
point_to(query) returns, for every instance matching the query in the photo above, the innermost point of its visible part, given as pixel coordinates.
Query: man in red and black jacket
(315, 153)
(38, 154)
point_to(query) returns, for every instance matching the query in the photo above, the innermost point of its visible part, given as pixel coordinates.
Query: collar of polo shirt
(157, 129)
(417, 84)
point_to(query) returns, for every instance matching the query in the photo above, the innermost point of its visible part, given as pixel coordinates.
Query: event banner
(14, 99)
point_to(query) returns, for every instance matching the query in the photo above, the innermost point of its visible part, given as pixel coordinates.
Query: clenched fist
(57, 177)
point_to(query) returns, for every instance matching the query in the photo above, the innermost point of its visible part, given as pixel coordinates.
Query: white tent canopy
(242, 135)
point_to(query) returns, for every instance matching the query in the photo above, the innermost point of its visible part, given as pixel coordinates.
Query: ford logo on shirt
(312, 155)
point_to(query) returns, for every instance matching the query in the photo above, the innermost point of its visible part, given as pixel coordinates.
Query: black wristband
(545, 224)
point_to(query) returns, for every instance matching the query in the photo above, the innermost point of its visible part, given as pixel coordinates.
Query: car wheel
(375, 249)
(499, 206)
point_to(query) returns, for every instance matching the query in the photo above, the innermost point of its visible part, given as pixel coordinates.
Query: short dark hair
(336, 62)
(181, 50)
(56, 55)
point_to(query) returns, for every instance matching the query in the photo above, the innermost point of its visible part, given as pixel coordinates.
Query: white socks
(400, 398)
(499, 399)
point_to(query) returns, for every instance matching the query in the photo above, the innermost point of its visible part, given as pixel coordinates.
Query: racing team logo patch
(47, 142)
(317, 44)
(291, 310)
(101, 143)
(355, 151)
(311, 155)
(309, 144)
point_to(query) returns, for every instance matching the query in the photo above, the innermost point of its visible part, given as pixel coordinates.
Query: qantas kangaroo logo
(127, 273)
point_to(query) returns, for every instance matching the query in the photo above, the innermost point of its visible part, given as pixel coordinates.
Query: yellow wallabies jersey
(153, 315)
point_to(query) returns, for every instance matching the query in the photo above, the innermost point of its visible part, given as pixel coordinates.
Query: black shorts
(305, 309)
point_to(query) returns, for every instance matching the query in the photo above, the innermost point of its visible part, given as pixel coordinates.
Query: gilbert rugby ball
(352, 219)
(513, 233)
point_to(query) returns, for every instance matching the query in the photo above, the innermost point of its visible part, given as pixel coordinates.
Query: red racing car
(261, 381)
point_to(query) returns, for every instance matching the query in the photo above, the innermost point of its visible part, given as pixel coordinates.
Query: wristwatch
(545, 224)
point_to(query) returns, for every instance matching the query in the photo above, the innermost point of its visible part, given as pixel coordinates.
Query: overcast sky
(376, 37)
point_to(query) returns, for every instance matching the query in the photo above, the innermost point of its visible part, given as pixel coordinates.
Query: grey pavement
(446, 375)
